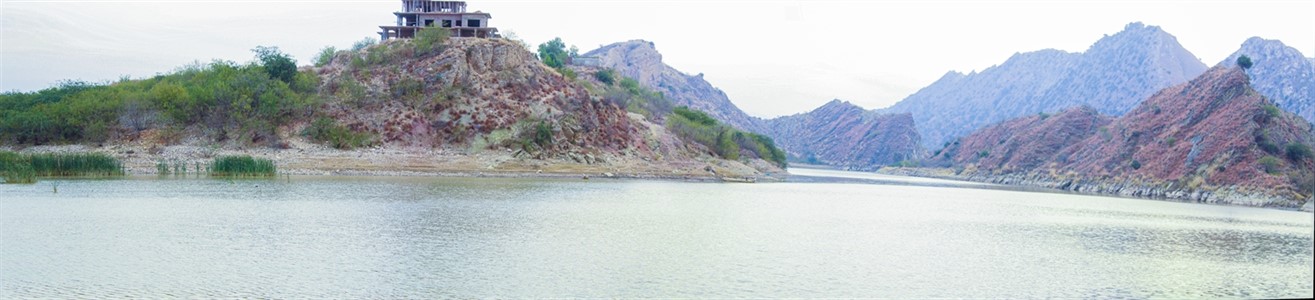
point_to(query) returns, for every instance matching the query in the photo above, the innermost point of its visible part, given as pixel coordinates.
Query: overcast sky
(771, 57)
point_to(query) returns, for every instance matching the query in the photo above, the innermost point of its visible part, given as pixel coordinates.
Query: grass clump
(25, 168)
(242, 166)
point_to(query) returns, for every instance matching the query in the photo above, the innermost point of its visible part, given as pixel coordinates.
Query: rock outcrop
(1112, 76)
(844, 135)
(1280, 73)
(640, 60)
(1213, 139)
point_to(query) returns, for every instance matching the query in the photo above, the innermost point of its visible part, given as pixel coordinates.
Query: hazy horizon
(771, 58)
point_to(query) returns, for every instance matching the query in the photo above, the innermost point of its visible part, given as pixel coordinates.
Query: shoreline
(1132, 189)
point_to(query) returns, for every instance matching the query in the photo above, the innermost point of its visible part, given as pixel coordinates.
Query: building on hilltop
(417, 14)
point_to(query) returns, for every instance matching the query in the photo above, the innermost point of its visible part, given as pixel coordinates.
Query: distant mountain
(1214, 139)
(640, 60)
(1112, 76)
(844, 135)
(1280, 73)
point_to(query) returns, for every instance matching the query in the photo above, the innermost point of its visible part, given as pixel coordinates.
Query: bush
(1136, 165)
(364, 43)
(1270, 164)
(543, 134)
(278, 64)
(325, 56)
(983, 154)
(724, 141)
(242, 166)
(326, 130)
(430, 40)
(1298, 152)
(607, 77)
(553, 53)
(1244, 62)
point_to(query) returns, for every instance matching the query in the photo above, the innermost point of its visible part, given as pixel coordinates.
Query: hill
(1213, 139)
(423, 106)
(844, 135)
(1112, 76)
(1280, 73)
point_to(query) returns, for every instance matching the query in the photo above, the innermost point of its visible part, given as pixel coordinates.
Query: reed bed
(25, 168)
(242, 166)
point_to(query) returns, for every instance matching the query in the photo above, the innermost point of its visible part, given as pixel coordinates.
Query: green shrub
(242, 166)
(1298, 152)
(430, 40)
(553, 53)
(543, 134)
(325, 56)
(724, 141)
(364, 43)
(983, 154)
(607, 76)
(1136, 165)
(1270, 164)
(1244, 62)
(276, 63)
(326, 130)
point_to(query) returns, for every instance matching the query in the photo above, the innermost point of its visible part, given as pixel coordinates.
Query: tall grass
(242, 166)
(24, 168)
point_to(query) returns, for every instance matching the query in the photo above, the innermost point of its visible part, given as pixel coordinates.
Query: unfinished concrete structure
(417, 14)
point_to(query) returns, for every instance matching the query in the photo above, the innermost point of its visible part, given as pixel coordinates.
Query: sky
(771, 57)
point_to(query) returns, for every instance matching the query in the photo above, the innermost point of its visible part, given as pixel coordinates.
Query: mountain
(844, 135)
(1280, 73)
(1112, 76)
(640, 60)
(1213, 139)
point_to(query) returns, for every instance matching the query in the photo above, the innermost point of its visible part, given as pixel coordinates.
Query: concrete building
(417, 14)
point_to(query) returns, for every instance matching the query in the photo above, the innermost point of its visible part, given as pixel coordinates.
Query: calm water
(424, 237)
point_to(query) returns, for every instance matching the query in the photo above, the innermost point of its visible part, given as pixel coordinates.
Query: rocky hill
(844, 135)
(1112, 76)
(1280, 73)
(1213, 139)
(640, 60)
(459, 106)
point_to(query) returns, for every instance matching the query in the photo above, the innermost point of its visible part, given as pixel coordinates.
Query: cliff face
(844, 135)
(1212, 139)
(640, 60)
(1112, 76)
(1280, 73)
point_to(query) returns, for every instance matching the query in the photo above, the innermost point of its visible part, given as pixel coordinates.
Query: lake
(391, 237)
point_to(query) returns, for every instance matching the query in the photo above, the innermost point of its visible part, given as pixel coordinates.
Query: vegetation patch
(328, 131)
(242, 166)
(725, 141)
(25, 168)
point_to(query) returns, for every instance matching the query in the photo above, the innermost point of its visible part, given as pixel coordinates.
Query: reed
(242, 166)
(24, 168)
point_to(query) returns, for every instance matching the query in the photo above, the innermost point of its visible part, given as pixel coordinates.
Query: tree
(430, 39)
(1244, 62)
(276, 63)
(553, 53)
(364, 43)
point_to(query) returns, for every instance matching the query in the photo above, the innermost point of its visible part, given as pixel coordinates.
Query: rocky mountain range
(844, 135)
(1213, 139)
(640, 60)
(1281, 73)
(1112, 76)
(839, 133)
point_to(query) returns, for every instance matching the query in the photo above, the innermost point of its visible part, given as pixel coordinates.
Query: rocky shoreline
(323, 161)
(1129, 188)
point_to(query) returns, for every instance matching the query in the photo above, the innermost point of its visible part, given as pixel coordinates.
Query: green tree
(276, 63)
(1244, 62)
(553, 53)
(364, 43)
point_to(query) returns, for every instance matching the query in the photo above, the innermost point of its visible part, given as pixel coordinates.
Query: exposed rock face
(1112, 76)
(844, 135)
(466, 92)
(1280, 73)
(1212, 139)
(640, 60)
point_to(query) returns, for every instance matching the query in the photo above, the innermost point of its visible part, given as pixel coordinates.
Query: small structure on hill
(417, 14)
